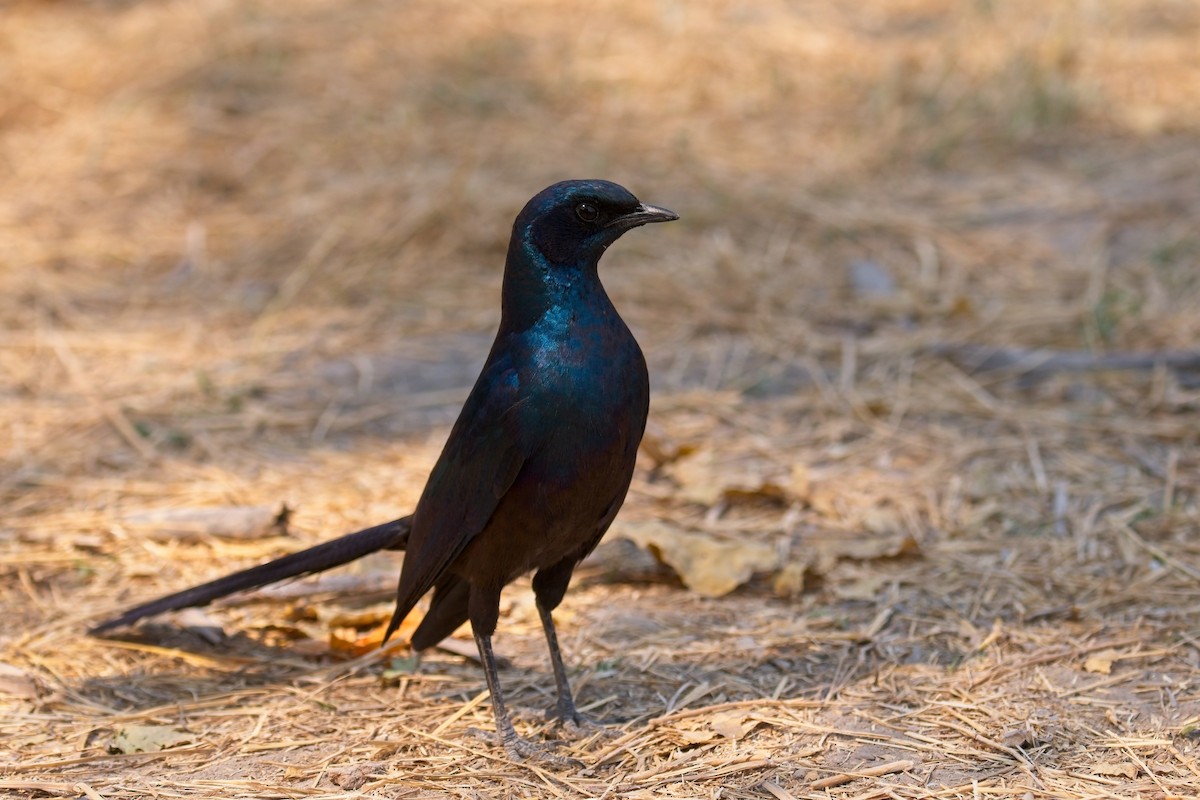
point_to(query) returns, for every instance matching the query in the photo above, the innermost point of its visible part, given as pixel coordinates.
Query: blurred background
(250, 253)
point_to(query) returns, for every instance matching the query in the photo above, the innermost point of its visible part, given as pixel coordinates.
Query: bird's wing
(487, 448)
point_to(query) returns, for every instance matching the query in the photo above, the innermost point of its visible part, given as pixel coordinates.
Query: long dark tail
(342, 550)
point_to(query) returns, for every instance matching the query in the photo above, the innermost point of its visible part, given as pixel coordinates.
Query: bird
(537, 464)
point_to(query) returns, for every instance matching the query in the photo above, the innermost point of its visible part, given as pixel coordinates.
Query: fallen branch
(1035, 365)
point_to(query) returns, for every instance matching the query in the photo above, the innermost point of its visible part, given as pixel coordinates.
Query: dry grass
(251, 255)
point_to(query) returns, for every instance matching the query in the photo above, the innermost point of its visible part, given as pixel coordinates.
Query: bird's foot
(524, 751)
(578, 726)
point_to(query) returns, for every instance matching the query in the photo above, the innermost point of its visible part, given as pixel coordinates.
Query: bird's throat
(535, 287)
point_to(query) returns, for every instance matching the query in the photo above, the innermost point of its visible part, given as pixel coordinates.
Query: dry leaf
(791, 579)
(696, 737)
(16, 682)
(865, 587)
(831, 547)
(863, 548)
(732, 724)
(1123, 770)
(1027, 734)
(875, 500)
(355, 618)
(148, 738)
(622, 561)
(348, 641)
(699, 478)
(761, 491)
(708, 566)
(1101, 662)
(662, 451)
(704, 481)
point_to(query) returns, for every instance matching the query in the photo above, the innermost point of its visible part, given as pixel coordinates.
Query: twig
(871, 772)
(777, 791)
(88, 792)
(1033, 365)
(1162, 555)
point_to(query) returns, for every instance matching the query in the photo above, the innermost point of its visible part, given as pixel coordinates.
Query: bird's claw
(577, 726)
(524, 751)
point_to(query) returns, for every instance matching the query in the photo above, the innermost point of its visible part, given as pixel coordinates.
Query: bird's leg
(549, 587)
(518, 749)
(564, 711)
(504, 727)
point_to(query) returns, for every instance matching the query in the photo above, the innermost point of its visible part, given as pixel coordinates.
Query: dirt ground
(917, 512)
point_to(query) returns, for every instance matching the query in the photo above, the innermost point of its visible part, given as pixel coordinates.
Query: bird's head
(573, 222)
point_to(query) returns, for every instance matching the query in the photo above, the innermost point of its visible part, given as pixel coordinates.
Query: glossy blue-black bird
(541, 456)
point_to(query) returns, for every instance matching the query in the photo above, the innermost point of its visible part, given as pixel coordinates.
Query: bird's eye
(587, 212)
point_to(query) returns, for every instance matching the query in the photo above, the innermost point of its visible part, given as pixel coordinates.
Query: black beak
(644, 215)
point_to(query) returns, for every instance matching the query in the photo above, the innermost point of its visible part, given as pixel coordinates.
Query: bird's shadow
(610, 683)
(188, 665)
(234, 662)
